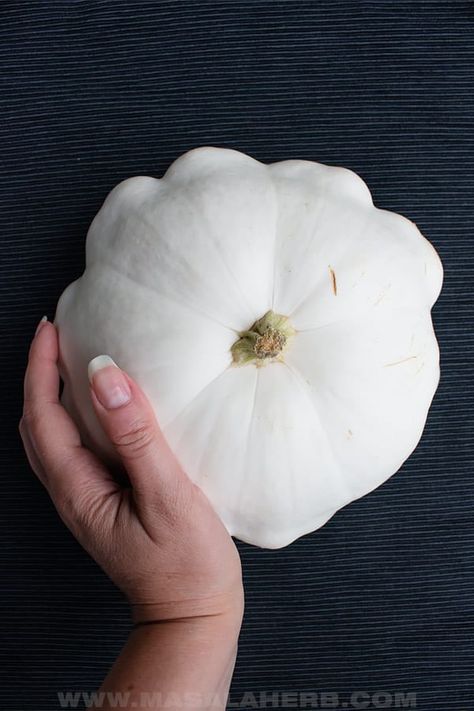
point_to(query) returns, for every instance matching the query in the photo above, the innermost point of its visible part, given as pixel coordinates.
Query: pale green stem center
(264, 342)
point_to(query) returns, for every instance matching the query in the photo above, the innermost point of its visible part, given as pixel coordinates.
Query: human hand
(159, 539)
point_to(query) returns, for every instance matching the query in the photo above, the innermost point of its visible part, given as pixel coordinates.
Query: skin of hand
(158, 539)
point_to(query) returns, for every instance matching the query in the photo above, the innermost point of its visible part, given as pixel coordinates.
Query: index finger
(54, 435)
(41, 383)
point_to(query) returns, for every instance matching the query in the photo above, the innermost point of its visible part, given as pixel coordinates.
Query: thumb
(130, 423)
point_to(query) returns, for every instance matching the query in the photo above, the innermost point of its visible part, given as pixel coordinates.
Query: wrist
(196, 635)
(193, 655)
(224, 609)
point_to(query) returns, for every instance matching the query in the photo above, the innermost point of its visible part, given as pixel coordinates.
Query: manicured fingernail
(40, 325)
(108, 382)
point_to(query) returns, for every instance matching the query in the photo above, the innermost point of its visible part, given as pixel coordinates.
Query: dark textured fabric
(380, 600)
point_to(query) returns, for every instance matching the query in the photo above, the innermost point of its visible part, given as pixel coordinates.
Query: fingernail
(40, 325)
(108, 382)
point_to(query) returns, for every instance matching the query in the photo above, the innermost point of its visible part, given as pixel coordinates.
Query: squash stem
(264, 342)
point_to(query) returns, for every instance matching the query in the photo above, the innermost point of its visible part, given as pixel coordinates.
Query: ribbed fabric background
(381, 598)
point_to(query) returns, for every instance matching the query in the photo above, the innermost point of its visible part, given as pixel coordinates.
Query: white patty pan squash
(278, 322)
